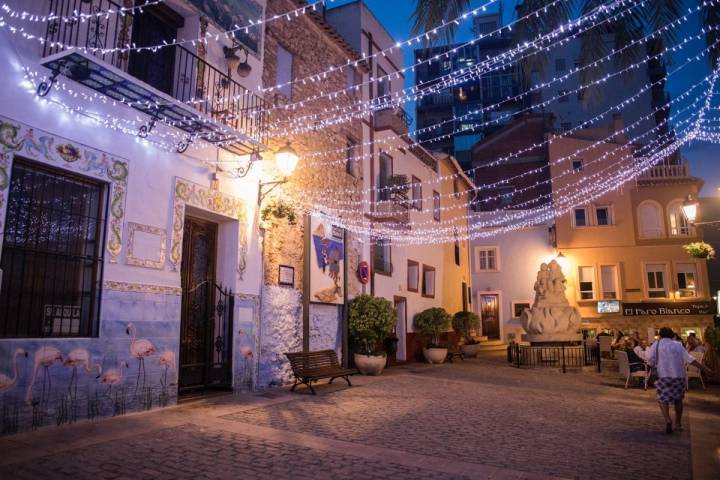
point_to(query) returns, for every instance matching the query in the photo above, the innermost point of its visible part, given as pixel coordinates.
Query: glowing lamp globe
(286, 160)
(690, 208)
(562, 260)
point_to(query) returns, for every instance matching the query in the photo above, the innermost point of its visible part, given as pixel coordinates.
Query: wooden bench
(310, 367)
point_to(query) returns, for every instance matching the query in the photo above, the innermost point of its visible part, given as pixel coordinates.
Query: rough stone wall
(280, 332)
(317, 180)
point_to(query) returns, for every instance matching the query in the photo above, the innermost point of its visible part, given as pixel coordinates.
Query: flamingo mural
(6, 382)
(112, 376)
(167, 360)
(79, 357)
(45, 357)
(139, 348)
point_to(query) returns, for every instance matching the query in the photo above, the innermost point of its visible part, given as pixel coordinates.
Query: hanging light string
(464, 206)
(226, 34)
(580, 126)
(82, 17)
(584, 23)
(588, 194)
(497, 62)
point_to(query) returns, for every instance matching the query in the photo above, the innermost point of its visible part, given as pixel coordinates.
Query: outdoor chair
(624, 369)
(605, 342)
(694, 372)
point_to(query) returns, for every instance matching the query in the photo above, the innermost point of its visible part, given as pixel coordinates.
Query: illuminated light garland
(536, 184)
(442, 82)
(226, 34)
(33, 17)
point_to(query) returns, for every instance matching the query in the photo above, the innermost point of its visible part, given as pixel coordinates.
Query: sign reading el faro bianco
(668, 308)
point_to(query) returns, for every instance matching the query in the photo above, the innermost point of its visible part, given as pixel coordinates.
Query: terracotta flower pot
(435, 355)
(370, 364)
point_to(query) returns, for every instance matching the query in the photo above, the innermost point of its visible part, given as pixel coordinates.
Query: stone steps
(492, 346)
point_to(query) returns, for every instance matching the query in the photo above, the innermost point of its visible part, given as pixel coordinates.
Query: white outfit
(672, 358)
(639, 352)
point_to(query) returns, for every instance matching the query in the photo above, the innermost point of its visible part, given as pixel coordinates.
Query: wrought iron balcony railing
(203, 94)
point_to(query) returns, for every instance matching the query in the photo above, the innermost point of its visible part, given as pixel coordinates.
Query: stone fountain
(551, 319)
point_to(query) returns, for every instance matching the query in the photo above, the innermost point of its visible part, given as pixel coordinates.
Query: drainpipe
(372, 165)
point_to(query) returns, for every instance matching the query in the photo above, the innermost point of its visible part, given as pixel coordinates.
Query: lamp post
(690, 211)
(286, 159)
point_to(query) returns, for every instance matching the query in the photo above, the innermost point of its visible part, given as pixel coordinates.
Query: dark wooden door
(198, 303)
(490, 315)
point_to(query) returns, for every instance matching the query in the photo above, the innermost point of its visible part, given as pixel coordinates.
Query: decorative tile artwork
(212, 200)
(34, 144)
(145, 246)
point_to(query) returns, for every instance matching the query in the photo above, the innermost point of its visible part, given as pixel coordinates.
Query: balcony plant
(278, 209)
(464, 323)
(371, 321)
(431, 323)
(700, 250)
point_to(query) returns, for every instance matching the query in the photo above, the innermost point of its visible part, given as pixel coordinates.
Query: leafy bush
(712, 356)
(278, 208)
(431, 323)
(371, 320)
(700, 250)
(465, 322)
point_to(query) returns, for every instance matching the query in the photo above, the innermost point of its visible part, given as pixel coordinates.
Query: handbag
(654, 367)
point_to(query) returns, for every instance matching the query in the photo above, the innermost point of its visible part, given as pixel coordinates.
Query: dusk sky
(703, 157)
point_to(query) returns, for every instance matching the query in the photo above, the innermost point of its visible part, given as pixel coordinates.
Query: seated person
(639, 348)
(636, 362)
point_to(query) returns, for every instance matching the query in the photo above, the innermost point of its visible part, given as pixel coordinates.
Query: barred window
(52, 253)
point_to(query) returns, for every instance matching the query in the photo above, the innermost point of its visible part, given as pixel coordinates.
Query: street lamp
(286, 159)
(562, 260)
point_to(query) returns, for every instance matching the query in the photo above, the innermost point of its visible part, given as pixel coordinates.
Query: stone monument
(551, 319)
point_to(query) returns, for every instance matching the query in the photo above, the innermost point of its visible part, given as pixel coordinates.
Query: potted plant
(464, 323)
(431, 323)
(371, 320)
(278, 209)
(700, 250)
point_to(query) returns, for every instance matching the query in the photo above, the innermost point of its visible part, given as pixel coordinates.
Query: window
(457, 251)
(656, 285)
(560, 65)
(52, 254)
(464, 294)
(416, 193)
(581, 95)
(678, 223)
(687, 279)
(581, 217)
(518, 308)
(413, 276)
(382, 259)
(428, 285)
(565, 126)
(577, 165)
(586, 282)
(284, 71)
(505, 195)
(383, 84)
(487, 259)
(650, 220)
(564, 96)
(351, 163)
(436, 206)
(602, 216)
(609, 281)
(386, 171)
(349, 77)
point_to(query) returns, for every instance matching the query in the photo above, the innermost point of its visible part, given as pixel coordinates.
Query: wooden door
(490, 315)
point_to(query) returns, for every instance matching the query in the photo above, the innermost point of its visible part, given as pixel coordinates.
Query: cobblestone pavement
(473, 419)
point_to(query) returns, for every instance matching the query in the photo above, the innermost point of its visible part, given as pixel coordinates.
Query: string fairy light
(81, 16)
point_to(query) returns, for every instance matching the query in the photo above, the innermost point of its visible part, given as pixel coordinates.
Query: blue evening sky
(704, 157)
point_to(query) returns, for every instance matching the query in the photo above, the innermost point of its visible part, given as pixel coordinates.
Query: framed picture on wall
(286, 276)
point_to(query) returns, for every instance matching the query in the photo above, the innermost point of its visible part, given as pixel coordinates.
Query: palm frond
(711, 24)
(659, 13)
(430, 14)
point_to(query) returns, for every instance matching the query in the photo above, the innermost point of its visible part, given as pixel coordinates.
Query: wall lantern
(286, 159)
(234, 64)
(562, 260)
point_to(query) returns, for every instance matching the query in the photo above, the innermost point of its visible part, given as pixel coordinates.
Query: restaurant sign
(668, 308)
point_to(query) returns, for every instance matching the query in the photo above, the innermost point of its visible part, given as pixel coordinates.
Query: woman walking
(669, 358)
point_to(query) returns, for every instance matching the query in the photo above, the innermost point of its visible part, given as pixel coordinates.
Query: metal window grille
(52, 253)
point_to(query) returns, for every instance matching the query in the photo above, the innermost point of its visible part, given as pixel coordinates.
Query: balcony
(673, 172)
(172, 85)
(396, 119)
(395, 211)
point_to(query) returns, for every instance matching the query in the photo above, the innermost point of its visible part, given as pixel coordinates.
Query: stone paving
(473, 419)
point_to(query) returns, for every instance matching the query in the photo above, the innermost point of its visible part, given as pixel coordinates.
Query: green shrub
(371, 320)
(431, 323)
(463, 323)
